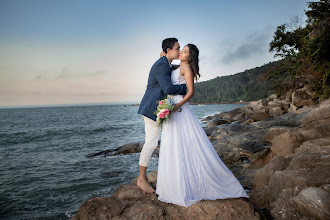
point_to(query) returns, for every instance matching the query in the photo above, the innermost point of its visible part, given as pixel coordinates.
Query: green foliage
(305, 52)
(246, 86)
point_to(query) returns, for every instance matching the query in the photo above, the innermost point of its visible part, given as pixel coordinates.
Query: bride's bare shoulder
(186, 70)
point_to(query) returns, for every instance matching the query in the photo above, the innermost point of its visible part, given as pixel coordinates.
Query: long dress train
(189, 169)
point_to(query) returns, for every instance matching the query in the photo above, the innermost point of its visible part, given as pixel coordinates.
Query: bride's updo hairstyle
(193, 60)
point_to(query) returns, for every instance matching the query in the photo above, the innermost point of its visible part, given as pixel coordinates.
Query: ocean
(44, 169)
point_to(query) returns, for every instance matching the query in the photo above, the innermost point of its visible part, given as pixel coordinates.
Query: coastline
(254, 141)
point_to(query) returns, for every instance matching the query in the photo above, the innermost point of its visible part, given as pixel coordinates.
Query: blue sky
(64, 52)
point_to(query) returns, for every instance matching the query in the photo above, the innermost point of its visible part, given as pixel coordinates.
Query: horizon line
(69, 104)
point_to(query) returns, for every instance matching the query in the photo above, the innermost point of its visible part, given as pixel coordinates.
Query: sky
(101, 51)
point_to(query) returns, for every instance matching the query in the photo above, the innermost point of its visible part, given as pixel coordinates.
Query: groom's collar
(168, 62)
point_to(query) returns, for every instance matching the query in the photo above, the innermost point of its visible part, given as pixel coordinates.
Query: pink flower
(166, 111)
(161, 115)
(160, 103)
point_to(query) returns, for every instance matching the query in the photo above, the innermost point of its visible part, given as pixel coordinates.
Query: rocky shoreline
(278, 148)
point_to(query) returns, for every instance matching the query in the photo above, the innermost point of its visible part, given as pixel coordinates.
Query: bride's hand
(177, 108)
(162, 54)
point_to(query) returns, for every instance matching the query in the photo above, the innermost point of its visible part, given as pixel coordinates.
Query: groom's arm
(163, 76)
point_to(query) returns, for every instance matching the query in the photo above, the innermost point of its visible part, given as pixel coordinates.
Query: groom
(159, 85)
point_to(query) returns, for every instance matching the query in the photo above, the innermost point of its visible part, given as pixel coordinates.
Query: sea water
(45, 169)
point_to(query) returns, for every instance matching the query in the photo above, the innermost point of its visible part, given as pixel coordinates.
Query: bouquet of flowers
(164, 109)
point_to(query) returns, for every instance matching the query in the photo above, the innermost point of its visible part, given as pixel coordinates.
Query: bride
(189, 169)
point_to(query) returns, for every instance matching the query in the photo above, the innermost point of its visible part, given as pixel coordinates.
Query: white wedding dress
(189, 169)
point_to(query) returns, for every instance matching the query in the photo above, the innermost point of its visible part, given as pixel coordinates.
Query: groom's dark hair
(168, 43)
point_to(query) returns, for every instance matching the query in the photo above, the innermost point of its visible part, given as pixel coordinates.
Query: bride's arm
(174, 66)
(189, 78)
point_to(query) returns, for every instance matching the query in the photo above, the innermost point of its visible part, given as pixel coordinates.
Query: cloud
(66, 73)
(256, 44)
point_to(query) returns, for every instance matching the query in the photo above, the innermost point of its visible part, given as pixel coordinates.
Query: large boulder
(307, 169)
(286, 143)
(283, 207)
(215, 122)
(317, 116)
(231, 114)
(276, 111)
(307, 203)
(263, 175)
(273, 104)
(302, 97)
(274, 132)
(259, 115)
(285, 120)
(317, 144)
(129, 202)
(314, 201)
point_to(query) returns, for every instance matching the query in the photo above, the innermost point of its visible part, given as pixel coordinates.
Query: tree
(304, 50)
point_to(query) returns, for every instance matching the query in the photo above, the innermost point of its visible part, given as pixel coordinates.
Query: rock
(287, 97)
(113, 174)
(285, 105)
(305, 109)
(129, 202)
(285, 120)
(313, 144)
(274, 132)
(248, 111)
(317, 116)
(129, 148)
(272, 97)
(236, 143)
(314, 202)
(239, 116)
(247, 121)
(276, 111)
(231, 114)
(208, 131)
(307, 169)
(273, 104)
(259, 116)
(323, 129)
(292, 108)
(208, 118)
(103, 208)
(263, 175)
(260, 159)
(283, 207)
(99, 208)
(264, 102)
(215, 122)
(300, 97)
(282, 158)
(320, 131)
(125, 149)
(131, 192)
(286, 143)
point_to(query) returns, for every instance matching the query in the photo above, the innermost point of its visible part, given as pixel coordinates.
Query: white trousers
(152, 132)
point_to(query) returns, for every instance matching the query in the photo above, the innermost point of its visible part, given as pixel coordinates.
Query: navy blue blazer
(159, 84)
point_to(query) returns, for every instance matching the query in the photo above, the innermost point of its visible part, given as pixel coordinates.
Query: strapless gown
(189, 169)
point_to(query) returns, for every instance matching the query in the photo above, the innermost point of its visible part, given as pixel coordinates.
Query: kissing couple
(189, 169)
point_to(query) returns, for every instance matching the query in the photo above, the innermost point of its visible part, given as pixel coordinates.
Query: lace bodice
(176, 77)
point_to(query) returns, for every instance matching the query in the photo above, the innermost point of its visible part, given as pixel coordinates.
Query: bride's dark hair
(193, 60)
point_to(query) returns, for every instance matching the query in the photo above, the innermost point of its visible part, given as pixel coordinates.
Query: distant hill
(246, 86)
